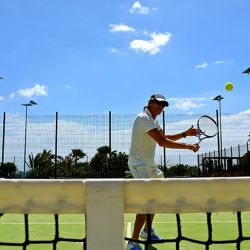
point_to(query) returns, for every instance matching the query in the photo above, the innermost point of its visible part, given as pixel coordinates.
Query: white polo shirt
(142, 150)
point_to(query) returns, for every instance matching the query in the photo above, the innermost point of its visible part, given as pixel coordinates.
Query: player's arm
(189, 132)
(162, 141)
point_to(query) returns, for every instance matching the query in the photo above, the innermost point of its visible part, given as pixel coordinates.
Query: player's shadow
(152, 248)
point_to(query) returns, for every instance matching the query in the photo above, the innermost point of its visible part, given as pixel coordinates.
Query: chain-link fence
(232, 161)
(62, 133)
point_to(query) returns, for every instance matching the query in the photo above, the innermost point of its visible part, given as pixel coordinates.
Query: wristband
(184, 135)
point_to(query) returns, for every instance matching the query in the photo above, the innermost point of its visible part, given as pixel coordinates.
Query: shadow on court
(152, 248)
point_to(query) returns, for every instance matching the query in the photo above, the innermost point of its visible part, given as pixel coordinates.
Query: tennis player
(146, 133)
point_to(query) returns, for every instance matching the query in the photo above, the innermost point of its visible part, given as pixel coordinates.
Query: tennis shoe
(133, 246)
(154, 236)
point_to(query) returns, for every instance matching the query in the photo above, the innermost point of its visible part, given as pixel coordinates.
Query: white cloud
(237, 124)
(12, 95)
(185, 104)
(246, 112)
(68, 86)
(138, 8)
(151, 46)
(223, 62)
(205, 64)
(113, 50)
(1, 98)
(116, 51)
(121, 28)
(202, 66)
(37, 90)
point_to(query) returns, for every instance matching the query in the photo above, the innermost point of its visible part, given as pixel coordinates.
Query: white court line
(129, 230)
(195, 222)
(129, 223)
(41, 223)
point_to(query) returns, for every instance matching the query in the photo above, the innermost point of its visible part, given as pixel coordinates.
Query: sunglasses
(160, 103)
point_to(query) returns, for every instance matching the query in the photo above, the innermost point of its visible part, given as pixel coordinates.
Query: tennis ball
(229, 86)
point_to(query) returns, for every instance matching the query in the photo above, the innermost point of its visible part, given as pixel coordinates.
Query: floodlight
(247, 71)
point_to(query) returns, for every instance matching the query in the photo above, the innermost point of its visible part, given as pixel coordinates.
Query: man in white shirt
(145, 134)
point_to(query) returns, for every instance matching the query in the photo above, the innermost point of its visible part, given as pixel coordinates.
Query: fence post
(3, 141)
(225, 160)
(110, 143)
(56, 135)
(198, 164)
(239, 155)
(164, 149)
(202, 165)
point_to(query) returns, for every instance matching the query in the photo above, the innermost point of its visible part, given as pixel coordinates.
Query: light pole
(26, 105)
(3, 142)
(248, 142)
(218, 98)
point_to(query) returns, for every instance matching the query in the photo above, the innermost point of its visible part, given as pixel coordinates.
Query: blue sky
(89, 56)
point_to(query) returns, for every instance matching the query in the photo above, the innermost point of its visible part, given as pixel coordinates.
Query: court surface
(42, 227)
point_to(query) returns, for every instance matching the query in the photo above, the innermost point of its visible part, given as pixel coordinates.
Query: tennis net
(102, 203)
(26, 236)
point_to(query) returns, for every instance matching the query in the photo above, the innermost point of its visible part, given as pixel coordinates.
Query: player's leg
(138, 172)
(154, 172)
(139, 222)
(146, 226)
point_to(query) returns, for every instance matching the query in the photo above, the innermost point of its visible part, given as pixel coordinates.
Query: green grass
(195, 226)
(42, 227)
(72, 226)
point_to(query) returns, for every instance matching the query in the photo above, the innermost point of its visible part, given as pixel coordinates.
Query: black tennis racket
(207, 127)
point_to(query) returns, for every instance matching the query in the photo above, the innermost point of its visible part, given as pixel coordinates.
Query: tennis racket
(207, 128)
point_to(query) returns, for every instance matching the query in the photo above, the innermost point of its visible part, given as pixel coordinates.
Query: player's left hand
(192, 131)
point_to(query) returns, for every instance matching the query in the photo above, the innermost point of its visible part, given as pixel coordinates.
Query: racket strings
(207, 127)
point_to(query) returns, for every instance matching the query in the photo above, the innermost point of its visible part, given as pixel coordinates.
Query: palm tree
(100, 161)
(77, 154)
(42, 165)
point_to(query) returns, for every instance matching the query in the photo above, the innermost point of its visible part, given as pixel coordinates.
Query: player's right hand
(195, 147)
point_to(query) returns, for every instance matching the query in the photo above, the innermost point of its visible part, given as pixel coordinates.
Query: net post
(104, 214)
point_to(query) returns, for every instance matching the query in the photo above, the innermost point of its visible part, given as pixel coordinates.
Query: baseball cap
(159, 98)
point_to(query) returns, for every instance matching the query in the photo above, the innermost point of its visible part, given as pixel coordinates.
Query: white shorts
(142, 172)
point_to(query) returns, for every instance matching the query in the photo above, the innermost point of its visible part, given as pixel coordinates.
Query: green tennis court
(195, 226)
(42, 227)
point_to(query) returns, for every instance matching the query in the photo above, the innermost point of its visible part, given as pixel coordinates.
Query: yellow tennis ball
(229, 86)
